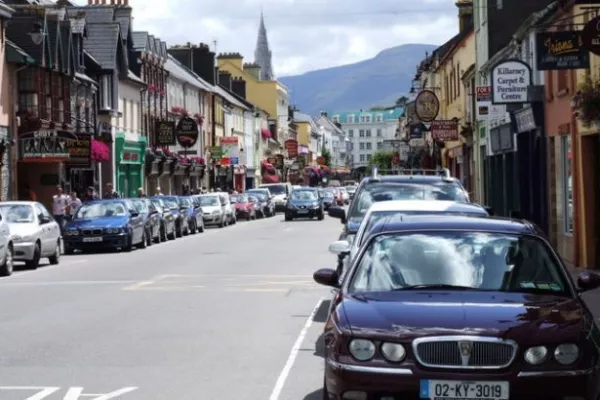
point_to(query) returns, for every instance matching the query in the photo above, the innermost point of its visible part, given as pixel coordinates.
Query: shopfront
(129, 165)
(501, 172)
(532, 164)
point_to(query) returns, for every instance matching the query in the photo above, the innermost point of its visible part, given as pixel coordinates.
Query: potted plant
(586, 102)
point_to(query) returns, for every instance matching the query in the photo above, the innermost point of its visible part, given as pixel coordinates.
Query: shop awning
(265, 133)
(100, 151)
(16, 55)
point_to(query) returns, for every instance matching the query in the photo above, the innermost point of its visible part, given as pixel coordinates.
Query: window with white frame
(350, 132)
(379, 133)
(361, 133)
(368, 133)
(350, 119)
(367, 118)
(567, 189)
(361, 146)
(379, 118)
(369, 157)
(362, 158)
(335, 118)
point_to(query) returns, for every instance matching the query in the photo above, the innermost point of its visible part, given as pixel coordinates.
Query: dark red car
(244, 208)
(452, 307)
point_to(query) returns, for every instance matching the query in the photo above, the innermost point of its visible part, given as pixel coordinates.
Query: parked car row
(438, 299)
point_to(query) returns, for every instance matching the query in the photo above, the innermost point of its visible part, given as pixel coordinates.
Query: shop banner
(164, 133)
(446, 130)
(230, 149)
(45, 145)
(80, 149)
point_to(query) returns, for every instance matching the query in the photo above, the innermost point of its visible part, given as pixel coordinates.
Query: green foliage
(383, 160)
(378, 108)
(327, 156)
(401, 101)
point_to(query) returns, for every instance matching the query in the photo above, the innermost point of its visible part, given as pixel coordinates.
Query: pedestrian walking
(74, 205)
(141, 192)
(60, 203)
(90, 194)
(158, 192)
(109, 192)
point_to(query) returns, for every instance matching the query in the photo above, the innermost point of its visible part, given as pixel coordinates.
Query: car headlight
(72, 232)
(536, 355)
(393, 352)
(566, 353)
(216, 212)
(112, 231)
(362, 349)
(316, 205)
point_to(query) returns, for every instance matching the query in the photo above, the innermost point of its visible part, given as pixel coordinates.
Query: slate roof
(94, 14)
(101, 42)
(123, 17)
(180, 72)
(391, 114)
(140, 40)
(229, 98)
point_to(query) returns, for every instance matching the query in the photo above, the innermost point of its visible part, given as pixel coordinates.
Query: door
(137, 223)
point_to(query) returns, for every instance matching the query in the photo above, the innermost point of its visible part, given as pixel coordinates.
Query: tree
(401, 101)
(382, 160)
(327, 156)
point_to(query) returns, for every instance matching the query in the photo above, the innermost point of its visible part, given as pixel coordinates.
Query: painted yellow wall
(263, 94)
(303, 133)
(452, 92)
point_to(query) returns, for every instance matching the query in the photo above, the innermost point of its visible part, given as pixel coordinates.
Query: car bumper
(23, 251)
(242, 213)
(385, 383)
(212, 219)
(104, 241)
(308, 213)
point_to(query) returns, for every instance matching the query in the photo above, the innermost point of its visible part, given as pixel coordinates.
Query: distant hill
(377, 81)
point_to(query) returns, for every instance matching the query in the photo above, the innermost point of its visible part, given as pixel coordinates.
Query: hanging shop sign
(561, 50)
(501, 139)
(427, 106)
(80, 149)
(45, 145)
(291, 146)
(416, 131)
(510, 80)
(164, 133)
(590, 36)
(485, 109)
(445, 130)
(230, 149)
(186, 132)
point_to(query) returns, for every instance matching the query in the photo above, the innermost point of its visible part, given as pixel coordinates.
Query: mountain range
(378, 81)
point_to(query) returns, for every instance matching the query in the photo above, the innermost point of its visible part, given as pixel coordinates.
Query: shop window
(28, 94)
(379, 133)
(567, 175)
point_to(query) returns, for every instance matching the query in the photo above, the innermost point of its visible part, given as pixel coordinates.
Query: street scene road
(228, 314)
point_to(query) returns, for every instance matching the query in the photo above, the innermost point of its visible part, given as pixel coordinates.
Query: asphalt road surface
(231, 313)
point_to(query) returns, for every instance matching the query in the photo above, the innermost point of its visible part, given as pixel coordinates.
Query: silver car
(34, 232)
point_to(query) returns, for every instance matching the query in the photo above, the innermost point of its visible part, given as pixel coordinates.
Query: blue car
(114, 224)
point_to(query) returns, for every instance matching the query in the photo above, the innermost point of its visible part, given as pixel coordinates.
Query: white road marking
(76, 393)
(73, 393)
(285, 372)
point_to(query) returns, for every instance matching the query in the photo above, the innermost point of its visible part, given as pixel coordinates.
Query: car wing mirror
(339, 247)
(134, 213)
(588, 281)
(337, 212)
(327, 277)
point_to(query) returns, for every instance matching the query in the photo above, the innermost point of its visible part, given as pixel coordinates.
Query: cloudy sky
(303, 34)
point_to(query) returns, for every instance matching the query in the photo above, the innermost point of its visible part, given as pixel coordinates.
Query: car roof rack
(443, 172)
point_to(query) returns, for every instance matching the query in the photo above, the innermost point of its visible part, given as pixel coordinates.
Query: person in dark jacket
(109, 192)
(89, 194)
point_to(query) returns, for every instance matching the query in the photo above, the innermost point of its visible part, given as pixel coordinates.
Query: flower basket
(587, 102)
(197, 160)
(151, 89)
(199, 118)
(179, 111)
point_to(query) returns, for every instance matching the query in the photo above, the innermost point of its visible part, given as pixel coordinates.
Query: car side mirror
(43, 219)
(588, 281)
(339, 247)
(327, 277)
(489, 210)
(134, 213)
(337, 212)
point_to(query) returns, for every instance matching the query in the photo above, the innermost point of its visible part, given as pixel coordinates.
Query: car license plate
(464, 390)
(302, 211)
(92, 239)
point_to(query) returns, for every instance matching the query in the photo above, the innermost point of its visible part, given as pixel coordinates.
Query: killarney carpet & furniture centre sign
(510, 82)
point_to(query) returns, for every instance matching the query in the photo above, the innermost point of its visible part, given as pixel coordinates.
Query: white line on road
(285, 372)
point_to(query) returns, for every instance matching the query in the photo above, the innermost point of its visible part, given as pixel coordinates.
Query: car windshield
(259, 195)
(209, 201)
(240, 198)
(385, 191)
(350, 188)
(101, 209)
(304, 195)
(328, 193)
(277, 189)
(377, 216)
(141, 206)
(465, 260)
(170, 202)
(184, 202)
(17, 213)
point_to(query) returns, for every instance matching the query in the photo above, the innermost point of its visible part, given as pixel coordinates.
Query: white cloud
(303, 34)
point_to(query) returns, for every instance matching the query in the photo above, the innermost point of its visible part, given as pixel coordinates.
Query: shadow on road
(316, 395)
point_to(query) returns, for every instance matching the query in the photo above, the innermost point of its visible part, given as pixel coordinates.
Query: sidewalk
(591, 298)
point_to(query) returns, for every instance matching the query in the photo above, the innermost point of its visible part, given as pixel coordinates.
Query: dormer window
(379, 118)
(350, 119)
(335, 119)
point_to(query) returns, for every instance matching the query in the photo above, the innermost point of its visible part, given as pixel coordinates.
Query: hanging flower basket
(151, 89)
(199, 118)
(197, 160)
(162, 93)
(179, 111)
(587, 102)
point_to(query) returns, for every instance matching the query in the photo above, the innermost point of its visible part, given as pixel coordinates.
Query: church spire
(262, 54)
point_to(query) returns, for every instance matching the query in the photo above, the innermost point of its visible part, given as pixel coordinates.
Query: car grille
(466, 352)
(302, 207)
(91, 232)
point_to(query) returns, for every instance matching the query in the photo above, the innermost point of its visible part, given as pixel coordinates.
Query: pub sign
(45, 145)
(590, 36)
(427, 106)
(187, 132)
(80, 149)
(164, 133)
(561, 50)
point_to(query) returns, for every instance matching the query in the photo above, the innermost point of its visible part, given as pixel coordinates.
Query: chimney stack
(198, 59)
(238, 86)
(465, 14)
(225, 80)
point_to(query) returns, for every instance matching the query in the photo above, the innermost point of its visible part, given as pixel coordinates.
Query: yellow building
(270, 96)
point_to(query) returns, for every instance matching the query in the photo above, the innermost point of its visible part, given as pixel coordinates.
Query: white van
(280, 192)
